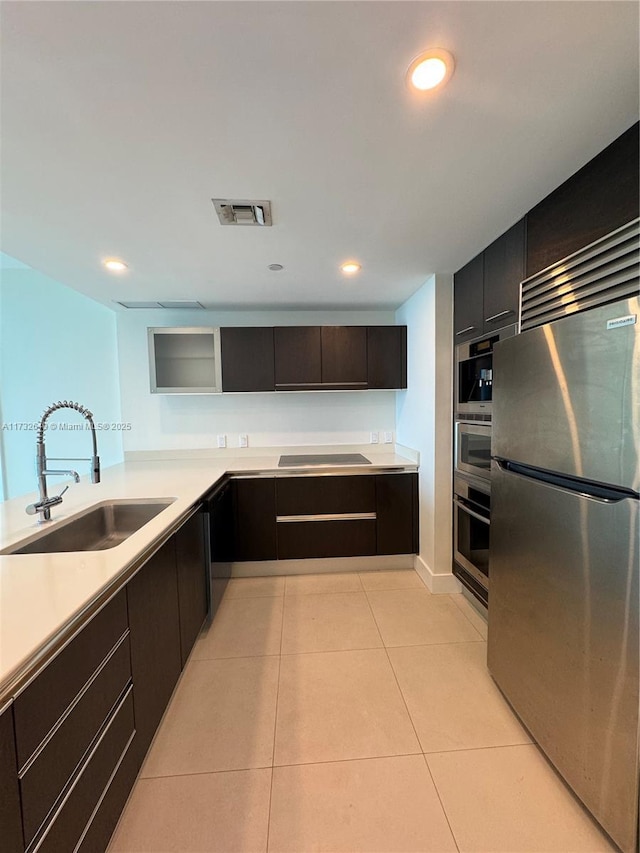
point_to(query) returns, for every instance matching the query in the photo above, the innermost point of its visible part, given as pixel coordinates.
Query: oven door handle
(471, 512)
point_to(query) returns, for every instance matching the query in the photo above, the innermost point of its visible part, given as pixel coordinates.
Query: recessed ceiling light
(114, 264)
(430, 69)
(350, 267)
(275, 267)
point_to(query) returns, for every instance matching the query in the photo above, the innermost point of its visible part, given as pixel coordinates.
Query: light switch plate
(243, 440)
(374, 438)
(388, 438)
(222, 441)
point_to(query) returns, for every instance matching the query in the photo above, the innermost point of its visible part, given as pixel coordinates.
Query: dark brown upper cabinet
(597, 199)
(503, 272)
(298, 357)
(468, 285)
(486, 290)
(386, 356)
(247, 358)
(326, 358)
(344, 357)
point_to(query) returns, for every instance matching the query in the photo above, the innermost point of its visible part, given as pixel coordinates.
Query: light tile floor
(352, 713)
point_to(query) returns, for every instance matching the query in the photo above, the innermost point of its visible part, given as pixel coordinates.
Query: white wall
(170, 422)
(54, 344)
(424, 421)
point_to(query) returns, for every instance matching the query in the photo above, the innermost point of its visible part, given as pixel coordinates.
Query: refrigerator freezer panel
(566, 396)
(563, 636)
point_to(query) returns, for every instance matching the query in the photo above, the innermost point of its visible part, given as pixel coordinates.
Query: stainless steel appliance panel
(563, 636)
(473, 449)
(471, 527)
(474, 375)
(567, 396)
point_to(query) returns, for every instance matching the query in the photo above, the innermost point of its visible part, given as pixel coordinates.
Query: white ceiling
(121, 120)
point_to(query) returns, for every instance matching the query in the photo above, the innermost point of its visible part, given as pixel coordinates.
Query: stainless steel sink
(101, 526)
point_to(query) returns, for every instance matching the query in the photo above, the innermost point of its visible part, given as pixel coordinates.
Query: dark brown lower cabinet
(91, 785)
(254, 504)
(55, 764)
(154, 623)
(299, 519)
(192, 581)
(10, 817)
(397, 513)
(309, 539)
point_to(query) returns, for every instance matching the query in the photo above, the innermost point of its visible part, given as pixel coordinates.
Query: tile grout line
(424, 758)
(460, 610)
(275, 719)
(444, 811)
(386, 651)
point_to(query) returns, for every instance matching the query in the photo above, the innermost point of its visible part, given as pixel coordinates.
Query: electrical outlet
(388, 438)
(243, 440)
(374, 438)
(222, 441)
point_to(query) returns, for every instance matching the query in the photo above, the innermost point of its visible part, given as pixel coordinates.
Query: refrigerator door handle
(594, 491)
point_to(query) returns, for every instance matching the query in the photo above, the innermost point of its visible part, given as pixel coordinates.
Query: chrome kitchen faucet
(43, 506)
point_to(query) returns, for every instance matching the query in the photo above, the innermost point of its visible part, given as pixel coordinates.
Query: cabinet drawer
(40, 705)
(317, 495)
(93, 783)
(53, 766)
(308, 539)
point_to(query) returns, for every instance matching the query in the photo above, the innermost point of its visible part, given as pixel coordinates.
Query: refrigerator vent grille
(602, 272)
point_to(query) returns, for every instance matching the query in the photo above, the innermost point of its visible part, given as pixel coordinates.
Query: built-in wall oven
(471, 533)
(474, 375)
(473, 450)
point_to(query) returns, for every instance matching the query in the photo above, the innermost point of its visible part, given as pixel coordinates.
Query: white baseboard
(436, 583)
(268, 568)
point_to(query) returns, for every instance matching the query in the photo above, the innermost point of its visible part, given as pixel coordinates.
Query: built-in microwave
(474, 375)
(473, 449)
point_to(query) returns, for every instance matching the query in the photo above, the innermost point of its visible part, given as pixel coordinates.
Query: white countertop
(42, 594)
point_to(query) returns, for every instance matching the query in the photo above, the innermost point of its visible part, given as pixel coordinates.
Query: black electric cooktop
(323, 459)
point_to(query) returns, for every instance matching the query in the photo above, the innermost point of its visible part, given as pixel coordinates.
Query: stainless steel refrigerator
(563, 610)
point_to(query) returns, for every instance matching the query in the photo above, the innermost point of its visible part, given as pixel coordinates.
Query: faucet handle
(32, 509)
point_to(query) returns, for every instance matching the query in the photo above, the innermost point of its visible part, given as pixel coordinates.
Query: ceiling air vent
(242, 211)
(172, 303)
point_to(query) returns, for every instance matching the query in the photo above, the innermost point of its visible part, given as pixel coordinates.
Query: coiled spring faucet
(43, 506)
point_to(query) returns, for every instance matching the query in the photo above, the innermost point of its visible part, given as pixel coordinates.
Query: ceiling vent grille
(170, 304)
(242, 211)
(605, 271)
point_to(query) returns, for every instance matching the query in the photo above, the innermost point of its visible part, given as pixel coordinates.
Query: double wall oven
(472, 472)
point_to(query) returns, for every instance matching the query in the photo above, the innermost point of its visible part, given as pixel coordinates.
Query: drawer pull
(468, 329)
(336, 516)
(498, 315)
